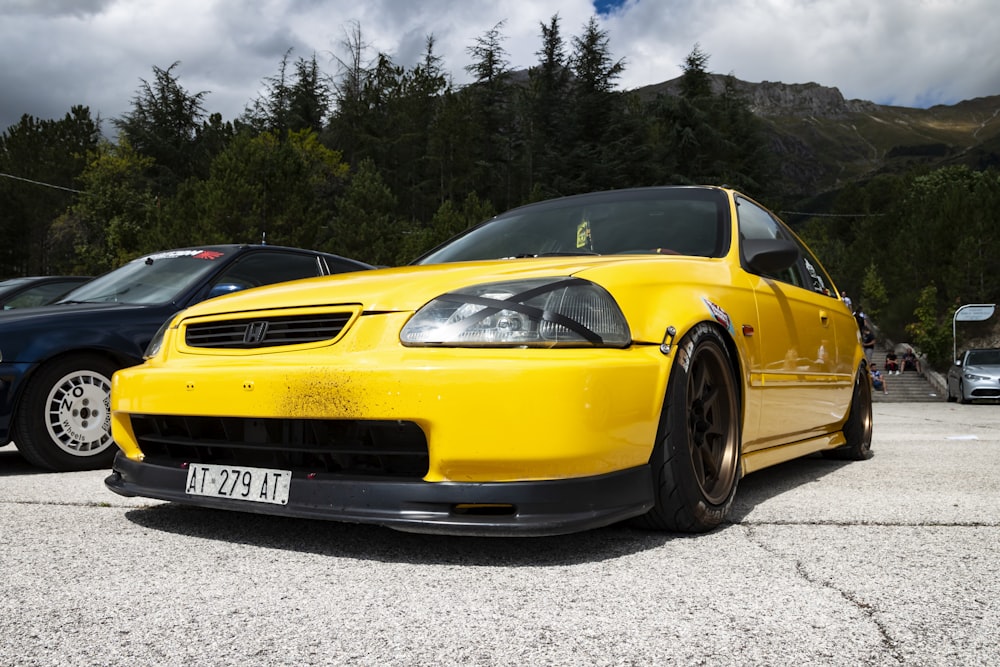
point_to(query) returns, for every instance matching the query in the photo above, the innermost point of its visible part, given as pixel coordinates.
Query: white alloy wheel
(78, 413)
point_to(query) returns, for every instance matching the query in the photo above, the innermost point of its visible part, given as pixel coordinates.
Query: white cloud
(58, 53)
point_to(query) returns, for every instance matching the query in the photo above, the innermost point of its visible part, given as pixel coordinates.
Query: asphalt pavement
(891, 561)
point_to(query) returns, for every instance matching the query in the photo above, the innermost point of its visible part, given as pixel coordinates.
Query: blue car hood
(30, 334)
(56, 314)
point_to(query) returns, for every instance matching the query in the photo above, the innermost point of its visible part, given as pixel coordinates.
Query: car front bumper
(473, 441)
(532, 508)
(981, 389)
(486, 415)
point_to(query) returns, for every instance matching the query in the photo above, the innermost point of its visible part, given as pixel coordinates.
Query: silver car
(976, 375)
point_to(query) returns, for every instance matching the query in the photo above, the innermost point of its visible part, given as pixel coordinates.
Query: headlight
(973, 376)
(156, 344)
(544, 312)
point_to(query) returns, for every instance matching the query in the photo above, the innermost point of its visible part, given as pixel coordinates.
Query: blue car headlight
(541, 312)
(156, 343)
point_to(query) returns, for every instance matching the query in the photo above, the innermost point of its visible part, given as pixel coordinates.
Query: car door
(802, 376)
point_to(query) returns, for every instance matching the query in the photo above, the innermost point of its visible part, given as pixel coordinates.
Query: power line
(47, 185)
(812, 215)
(832, 215)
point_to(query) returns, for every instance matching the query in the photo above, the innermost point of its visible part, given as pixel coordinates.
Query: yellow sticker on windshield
(583, 235)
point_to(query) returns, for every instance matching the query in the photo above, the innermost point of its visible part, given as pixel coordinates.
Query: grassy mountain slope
(824, 141)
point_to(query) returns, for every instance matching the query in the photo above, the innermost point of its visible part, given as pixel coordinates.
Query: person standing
(868, 343)
(847, 300)
(859, 317)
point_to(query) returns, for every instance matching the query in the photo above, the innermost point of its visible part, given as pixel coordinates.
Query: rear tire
(64, 418)
(858, 425)
(696, 459)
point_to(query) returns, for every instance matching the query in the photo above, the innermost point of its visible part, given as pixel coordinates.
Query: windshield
(153, 279)
(685, 221)
(983, 358)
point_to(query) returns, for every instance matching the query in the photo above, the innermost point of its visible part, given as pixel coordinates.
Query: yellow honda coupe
(620, 355)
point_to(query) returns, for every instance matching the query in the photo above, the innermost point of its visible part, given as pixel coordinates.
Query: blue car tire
(63, 421)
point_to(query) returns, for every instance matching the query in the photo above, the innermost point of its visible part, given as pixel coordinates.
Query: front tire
(64, 418)
(696, 459)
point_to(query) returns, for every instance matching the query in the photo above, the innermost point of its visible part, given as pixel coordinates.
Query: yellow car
(566, 365)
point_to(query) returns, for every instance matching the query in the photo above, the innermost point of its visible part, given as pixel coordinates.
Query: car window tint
(757, 223)
(266, 267)
(680, 226)
(40, 294)
(340, 265)
(984, 358)
(155, 278)
(687, 221)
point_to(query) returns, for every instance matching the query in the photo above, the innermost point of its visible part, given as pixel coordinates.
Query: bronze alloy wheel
(712, 433)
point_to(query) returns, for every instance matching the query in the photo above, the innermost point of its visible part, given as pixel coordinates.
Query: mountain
(824, 141)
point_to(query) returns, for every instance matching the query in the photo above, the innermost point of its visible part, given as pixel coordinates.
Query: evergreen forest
(379, 162)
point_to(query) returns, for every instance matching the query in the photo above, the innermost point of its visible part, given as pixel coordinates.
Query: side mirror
(224, 288)
(770, 255)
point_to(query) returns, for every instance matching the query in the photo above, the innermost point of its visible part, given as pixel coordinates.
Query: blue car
(56, 361)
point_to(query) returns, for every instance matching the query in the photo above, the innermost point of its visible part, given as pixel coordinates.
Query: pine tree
(163, 124)
(42, 161)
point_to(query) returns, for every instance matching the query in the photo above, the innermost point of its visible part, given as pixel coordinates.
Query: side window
(820, 281)
(343, 265)
(264, 268)
(40, 295)
(756, 223)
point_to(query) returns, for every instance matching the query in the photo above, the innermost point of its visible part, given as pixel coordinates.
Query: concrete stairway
(908, 386)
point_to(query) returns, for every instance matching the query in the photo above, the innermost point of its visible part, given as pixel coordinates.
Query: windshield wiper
(575, 253)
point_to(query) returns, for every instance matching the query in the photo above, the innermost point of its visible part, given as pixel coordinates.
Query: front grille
(395, 449)
(253, 332)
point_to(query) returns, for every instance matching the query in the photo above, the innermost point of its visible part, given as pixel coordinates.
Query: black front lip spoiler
(536, 508)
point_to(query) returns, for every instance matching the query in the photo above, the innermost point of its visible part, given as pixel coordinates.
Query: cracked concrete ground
(891, 561)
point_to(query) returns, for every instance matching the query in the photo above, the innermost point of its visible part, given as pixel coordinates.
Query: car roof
(243, 247)
(11, 287)
(24, 280)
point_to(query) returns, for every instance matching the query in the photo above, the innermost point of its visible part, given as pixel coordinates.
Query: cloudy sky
(58, 53)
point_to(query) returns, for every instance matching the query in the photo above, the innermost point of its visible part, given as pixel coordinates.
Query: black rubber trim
(549, 507)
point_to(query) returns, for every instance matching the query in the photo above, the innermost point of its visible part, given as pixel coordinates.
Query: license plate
(259, 485)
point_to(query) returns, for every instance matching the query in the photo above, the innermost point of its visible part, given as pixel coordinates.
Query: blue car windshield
(153, 279)
(682, 221)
